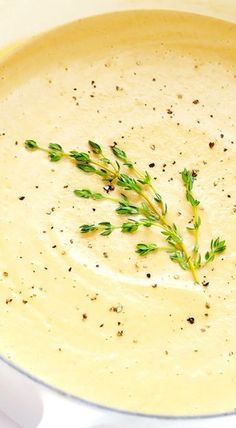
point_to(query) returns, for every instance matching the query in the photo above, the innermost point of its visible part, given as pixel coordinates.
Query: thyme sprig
(150, 211)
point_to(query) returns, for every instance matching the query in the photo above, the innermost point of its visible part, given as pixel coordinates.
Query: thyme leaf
(88, 194)
(86, 228)
(144, 249)
(55, 147)
(125, 207)
(31, 145)
(87, 168)
(95, 147)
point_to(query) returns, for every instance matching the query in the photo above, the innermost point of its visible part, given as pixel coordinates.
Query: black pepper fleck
(205, 283)
(109, 188)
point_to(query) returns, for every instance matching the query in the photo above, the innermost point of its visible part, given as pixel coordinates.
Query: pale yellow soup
(162, 85)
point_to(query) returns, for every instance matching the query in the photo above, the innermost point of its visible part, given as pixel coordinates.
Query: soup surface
(85, 312)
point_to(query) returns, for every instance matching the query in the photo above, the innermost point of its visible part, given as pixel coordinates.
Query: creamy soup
(86, 313)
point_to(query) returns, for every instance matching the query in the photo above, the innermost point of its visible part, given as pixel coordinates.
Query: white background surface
(21, 18)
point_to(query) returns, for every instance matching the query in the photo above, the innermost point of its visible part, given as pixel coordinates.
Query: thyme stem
(191, 264)
(196, 233)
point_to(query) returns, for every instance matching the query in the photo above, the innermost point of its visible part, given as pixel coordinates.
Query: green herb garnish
(150, 211)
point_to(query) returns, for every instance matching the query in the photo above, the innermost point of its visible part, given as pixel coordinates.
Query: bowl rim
(103, 407)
